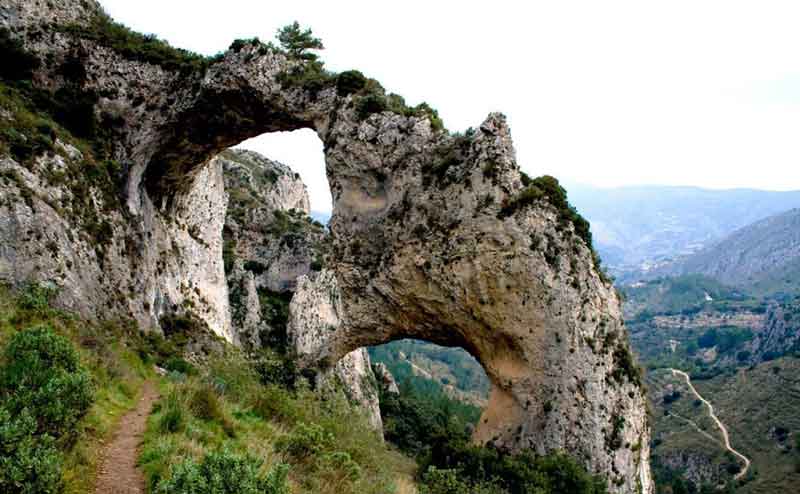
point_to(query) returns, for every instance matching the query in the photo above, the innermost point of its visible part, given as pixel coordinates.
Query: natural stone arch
(433, 237)
(427, 244)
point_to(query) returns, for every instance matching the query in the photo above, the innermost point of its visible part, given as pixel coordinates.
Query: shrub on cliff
(29, 463)
(136, 46)
(42, 374)
(297, 42)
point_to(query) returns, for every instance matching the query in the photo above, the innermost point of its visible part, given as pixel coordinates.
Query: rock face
(315, 316)
(267, 223)
(433, 236)
(779, 334)
(271, 244)
(385, 378)
(269, 241)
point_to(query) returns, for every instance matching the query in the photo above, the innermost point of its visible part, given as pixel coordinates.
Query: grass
(327, 443)
(221, 406)
(117, 371)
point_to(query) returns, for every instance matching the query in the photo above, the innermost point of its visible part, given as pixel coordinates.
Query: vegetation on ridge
(369, 96)
(132, 45)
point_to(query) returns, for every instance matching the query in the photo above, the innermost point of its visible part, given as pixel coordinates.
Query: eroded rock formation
(434, 236)
(273, 251)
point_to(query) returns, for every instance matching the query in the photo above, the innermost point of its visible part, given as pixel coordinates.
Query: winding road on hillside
(725, 437)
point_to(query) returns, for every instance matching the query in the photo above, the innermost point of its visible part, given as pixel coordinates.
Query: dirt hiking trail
(118, 473)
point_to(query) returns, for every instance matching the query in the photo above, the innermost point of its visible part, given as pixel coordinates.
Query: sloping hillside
(758, 406)
(764, 257)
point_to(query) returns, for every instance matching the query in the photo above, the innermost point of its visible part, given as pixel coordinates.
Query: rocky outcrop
(269, 241)
(779, 334)
(315, 316)
(434, 236)
(267, 223)
(104, 265)
(386, 380)
(695, 467)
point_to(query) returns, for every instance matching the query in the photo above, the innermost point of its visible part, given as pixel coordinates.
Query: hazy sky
(605, 92)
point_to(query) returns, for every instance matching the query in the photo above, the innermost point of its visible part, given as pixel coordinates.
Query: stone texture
(267, 223)
(421, 246)
(315, 318)
(385, 378)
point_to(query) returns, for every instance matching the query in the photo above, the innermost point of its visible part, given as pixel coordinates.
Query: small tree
(297, 42)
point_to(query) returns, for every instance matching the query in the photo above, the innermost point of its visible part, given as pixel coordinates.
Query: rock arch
(435, 236)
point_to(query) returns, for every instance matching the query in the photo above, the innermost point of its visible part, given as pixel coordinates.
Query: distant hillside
(763, 258)
(455, 370)
(759, 407)
(679, 295)
(643, 225)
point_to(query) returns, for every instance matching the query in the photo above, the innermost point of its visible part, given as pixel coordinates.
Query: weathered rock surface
(314, 318)
(267, 223)
(269, 241)
(385, 378)
(696, 467)
(434, 236)
(271, 244)
(779, 334)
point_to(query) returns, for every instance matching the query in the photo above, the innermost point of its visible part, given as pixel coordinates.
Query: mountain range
(763, 257)
(637, 228)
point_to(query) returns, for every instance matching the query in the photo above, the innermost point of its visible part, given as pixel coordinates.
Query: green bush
(275, 368)
(305, 441)
(274, 403)
(29, 463)
(350, 81)
(178, 364)
(42, 374)
(205, 405)
(223, 472)
(450, 481)
(36, 297)
(522, 473)
(369, 104)
(136, 46)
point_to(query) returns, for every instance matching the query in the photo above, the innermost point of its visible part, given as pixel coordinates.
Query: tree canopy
(299, 41)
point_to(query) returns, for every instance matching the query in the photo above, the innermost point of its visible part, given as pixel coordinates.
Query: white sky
(697, 92)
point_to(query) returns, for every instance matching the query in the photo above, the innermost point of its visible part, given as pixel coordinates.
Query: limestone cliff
(433, 235)
(267, 224)
(271, 244)
(269, 241)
